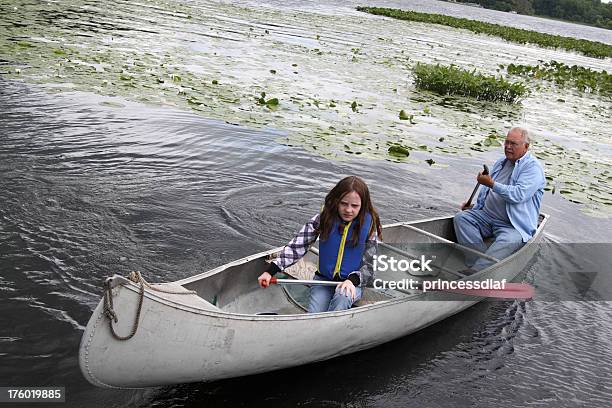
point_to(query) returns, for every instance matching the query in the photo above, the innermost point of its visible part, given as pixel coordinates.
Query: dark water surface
(90, 190)
(93, 185)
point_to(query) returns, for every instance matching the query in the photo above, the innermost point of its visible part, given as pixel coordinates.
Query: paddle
(510, 291)
(469, 201)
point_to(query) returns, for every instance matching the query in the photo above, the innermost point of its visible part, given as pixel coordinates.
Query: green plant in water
(450, 80)
(492, 140)
(271, 103)
(585, 79)
(404, 116)
(399, 151)
(518, 35)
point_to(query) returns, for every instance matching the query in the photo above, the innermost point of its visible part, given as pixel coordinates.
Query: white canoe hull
(180, 340)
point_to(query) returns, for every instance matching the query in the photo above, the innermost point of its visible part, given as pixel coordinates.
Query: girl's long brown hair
(332, 201)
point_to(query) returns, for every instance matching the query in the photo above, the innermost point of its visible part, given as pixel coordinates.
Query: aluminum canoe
(225, 326)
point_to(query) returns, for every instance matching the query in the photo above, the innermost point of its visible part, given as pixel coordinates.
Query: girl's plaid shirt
(303, 240)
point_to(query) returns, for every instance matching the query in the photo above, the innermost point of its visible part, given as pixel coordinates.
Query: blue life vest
(340, 260)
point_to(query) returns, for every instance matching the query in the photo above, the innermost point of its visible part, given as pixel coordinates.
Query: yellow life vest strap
(341, 249)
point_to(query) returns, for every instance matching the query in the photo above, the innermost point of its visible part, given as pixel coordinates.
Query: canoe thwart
(454, 244)
(411, 256)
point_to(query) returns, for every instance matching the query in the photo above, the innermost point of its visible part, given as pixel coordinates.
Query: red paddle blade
(510, 291)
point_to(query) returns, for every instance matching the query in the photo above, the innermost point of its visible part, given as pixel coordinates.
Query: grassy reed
(518, 35)
(585, 79)
(450, 80)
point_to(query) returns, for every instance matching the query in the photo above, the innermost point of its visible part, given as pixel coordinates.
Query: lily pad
(399, 151)
(272, 102)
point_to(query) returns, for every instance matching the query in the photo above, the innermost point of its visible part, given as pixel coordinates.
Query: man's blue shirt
(523, 195)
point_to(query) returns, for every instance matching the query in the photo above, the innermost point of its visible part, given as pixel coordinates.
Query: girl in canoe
(348, 228)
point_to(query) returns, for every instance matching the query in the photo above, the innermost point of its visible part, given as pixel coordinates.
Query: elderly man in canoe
(348, 228)
(508, 208)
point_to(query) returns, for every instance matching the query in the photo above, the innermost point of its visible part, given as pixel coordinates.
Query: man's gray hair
(524, 133)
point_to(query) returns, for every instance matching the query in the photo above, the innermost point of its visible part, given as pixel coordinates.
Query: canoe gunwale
(154, 296)
(151, 295)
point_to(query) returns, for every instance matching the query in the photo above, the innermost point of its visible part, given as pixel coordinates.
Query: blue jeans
(472, 226)
(328, 299)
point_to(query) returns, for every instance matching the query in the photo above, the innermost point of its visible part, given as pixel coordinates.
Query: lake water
(107, 177)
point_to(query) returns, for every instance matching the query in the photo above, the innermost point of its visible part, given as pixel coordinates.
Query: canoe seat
(302, 269)
(181, 295)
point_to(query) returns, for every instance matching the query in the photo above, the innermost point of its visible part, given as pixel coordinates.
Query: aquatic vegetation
(270, 103)
(492, 140)
(338, 108)
(450, 80)
(404, 116)
(399, 151)
(573, 179)
(518, 35)
(585, 79)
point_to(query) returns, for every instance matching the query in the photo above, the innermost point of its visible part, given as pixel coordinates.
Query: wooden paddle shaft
(511, 291)
(484, 172)
(275, 281)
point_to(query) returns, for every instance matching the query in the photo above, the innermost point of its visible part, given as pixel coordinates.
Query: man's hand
(466, 207)
(485, 180)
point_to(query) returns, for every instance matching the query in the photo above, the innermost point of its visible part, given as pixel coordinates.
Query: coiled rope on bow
(110, 313)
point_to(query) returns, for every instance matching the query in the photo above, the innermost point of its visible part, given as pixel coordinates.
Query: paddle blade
(511, 291)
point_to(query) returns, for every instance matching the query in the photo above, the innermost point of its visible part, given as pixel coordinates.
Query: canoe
(220, 324)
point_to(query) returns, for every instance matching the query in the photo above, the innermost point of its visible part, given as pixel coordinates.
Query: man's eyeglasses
(511, 143)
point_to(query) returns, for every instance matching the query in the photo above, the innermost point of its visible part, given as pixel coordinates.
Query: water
(94, 184)
(341, 78)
